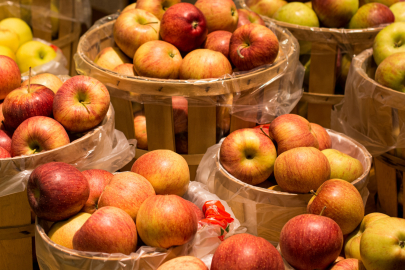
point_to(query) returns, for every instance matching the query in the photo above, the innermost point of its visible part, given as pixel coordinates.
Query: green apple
(9, 38)
(382, 245)
(7, 52)
(34, 53)
(297, 13)
(352, 244)
(390, 40)
(343, 166)
(399, 11)
(265, 7)
(391, 72)
(20, 27)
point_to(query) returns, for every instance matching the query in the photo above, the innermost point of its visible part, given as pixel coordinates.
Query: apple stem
(29, 79)
(323, 209)
(265, 133)
(314, 193)
(84, 104)
(398, 44)
(151, 26)
(402, 244)
(195, 24)
(240, 55)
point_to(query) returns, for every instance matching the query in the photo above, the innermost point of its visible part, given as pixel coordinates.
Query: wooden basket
(16, 230)
(203, 95)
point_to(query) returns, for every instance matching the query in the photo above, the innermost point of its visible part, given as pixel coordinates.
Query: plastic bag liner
(258, 95)
(101, 148)
(372, 114)
(262, 211)
(54, 257)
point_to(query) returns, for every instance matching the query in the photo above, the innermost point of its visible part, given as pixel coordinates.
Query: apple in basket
(390, 72)
(110, 58)
(131, 6)
(335, 13)
(265, 7)
(156, 7)
(4, 153)
(197, 211)
(247, 17)
(5, 141)
(46, 79)
(183, 263)
(219, 14)
(297, 13)
(343, 166)
(11, 76)
(98, 180)
(184, 26)
(140, 131)
(246, 252)
(324, 140)
(218, 41)
(81, 103)
(253, 45)
(388, 41)
(57, 191)
(399, 11)
(371, 15)
(125, 69)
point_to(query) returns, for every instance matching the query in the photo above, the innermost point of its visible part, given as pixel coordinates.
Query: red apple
(166, 170)
(205, 64)
(371, 15)
(4, 153)
(25, 102)
(184, 26)
(5, 141)
(98, 180)
(249, 155)
(324, 140)
(81, 103)
(197, 211)
(9, 131)
(247, 17)
(183, 263)
(180, 114)
(126, 191)
(165, 221)
(140, 131)
(310, 242)
(57, 191)
(335, 13)
(347, 264)
(111, 57)
(156, 7)
(46, 79)
(181, 141)
(218, 41)
(10, 76)
(37, 134)
(108, 230)
(125, 69)
(246, 252)
(219, 14)
(253, 45)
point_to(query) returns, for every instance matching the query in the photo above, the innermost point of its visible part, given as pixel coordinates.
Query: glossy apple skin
(184, 26)
(247, 17)
(343, 166)
(166, 170)
(140, 131)
(399, 11)
(111, 57)
(23, 103)
(165, 221)
(125, 69)
(37, 134)
(388, 41)
(46, 79)
(297, 13)
(256, 43)
(371, 15)
(382, 245)
(390, 72)
(246, 252)
(291, 131)
(219, 15)
(5, 141)
(108, 230)
(265, 7)
(4, 153)
(158, 59)
(335, 13)
(301, 170)
(322, 237)
(126, 191)
(347, 264)
(248, 155)
(183, 263)
(98, 180)
(134, 28)
(180, 114)
(156, 7)
(324, 140)
(69, 101)
(197, 211)
(10, 76)
(218, 41)
(57, 191)
(343, 202)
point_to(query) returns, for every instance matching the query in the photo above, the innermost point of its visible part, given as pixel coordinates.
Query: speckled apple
(111, 57)
(390, 72)
(388, 41)
(335, 13)
(4, 153)
(347, 264)
(126, 69)
(5, 141)
(265, 7)
(371, 15)
(46, 79)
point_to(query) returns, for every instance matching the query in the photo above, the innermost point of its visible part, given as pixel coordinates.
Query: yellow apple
(20, 27)
(111, 57)
(7, 52)
(34, 53)
(9, 38)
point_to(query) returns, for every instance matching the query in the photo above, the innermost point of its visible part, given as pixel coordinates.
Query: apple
(297, 13)
(347, 264)
(309, 4)
(382, 245)
(248, 155)
(20, 27)
(111, 57)
(9, 38)
(46, 79)
(390, 72)
(276, 188)
(324, 140)
(158, 59)
(131, 6)
(247, 252)
(388, 41)
(81, 103)
(247, 17)
(291, 131)
(253, 45)
(134, 28)
(301, 170)
(197, 211)
(399, 11)
(181, 142)
(126, 191)
(371, 15)
(108, 230)
(218, 41)
(219, 14)
(265, 7)
(323, 240)
(335, 13)
(5, 141)
(166, 170)
(25, 102)
(6, 51)
(4, 153)
(352, 242)
(184, 26)
(3, 127)
(98, 180)
(166, 220)
(140, 131)
(62, 232)
(388, 3)
(343, 166)
(37, 134)
(205, 64)
(11, 76)
(180, 114)
(34, 53)
(183, 263)
(126, 69)
(57, 191)
(156, 7)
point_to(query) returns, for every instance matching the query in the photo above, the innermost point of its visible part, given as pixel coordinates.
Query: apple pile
(173, 40)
